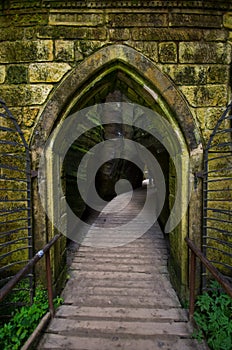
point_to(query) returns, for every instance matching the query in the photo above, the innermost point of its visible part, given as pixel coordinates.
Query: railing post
(49, 283)
(192, 280)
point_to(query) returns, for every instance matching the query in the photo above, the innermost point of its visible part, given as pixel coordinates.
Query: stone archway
(139, 73)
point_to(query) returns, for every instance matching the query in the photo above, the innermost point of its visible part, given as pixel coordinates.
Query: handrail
(45, 251)
(195, 252)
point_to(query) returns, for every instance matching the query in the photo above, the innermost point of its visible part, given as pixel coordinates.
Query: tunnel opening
(117, 86)
(120, 73)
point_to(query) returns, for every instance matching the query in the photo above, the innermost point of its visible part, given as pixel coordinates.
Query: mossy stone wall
(43, 42)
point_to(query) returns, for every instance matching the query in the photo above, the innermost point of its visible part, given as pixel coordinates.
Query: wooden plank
(120, 298)
(119, 267)
(73, 327)
(56, 341)
(125, 301)
(120, 259)
(71, 311)
(118, 291)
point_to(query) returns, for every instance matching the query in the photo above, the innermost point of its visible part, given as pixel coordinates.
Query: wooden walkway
(121, 298)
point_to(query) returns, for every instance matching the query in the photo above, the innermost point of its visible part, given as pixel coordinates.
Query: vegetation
(213, 316)
(14, 333)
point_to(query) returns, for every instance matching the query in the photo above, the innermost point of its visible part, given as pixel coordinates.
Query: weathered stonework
(227, 20)
(64, 50)
(167, 52)
(2, 74)
(47, 72)
(192, 52)
(206, 96)
(26, 51)
(25, 95)
(56, 54)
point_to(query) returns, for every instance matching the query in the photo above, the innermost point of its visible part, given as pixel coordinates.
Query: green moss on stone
(16, 74)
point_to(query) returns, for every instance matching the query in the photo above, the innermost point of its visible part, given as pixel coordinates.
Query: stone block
(165, 34)
(194, 20)
(140, 19)
(75, 18)
(122, 33)
(202, 52)
(16, 74)
(149, 49)
(167, 52)
(26, 51)
(29, 115)
(7, 34)
(218, 74)
(64, 50)
(86, 48)
(208, 117)
(76, 33)
(2, 74)
(24, 19)
(23, 95)
(47, 72)
(215, 35)
(227, 20)
(205, 96)
(189, 74)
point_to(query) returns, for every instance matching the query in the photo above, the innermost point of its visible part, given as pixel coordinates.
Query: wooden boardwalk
(121, 298)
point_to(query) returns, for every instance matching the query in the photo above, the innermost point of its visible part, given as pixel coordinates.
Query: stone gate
(57, 57)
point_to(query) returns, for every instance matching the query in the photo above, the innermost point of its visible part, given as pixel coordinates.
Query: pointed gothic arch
(138, 73)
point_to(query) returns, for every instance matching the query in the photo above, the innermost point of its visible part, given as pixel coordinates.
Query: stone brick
(167, 52)
(140, 19)
(183, 74)
(208, 117)
(201, 52)
(7, 34)
(29, 115)
(47, 72)
(165, 34)
(227, 20)
(122, 33)
(26, 51)
(215, 35)
(16, 74)
(25, 19)
(2, 74)
(76, 18)
(76, 33)
(23, 95)
(218, 74)
(149, 49)
(18, 33)
(64, 50)
(86, 48)
(194, 20)
(206, 96)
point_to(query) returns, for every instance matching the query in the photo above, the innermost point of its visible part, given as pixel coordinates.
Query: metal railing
(217, 197)
(4, 291)
(195, 252)
(16, 241)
